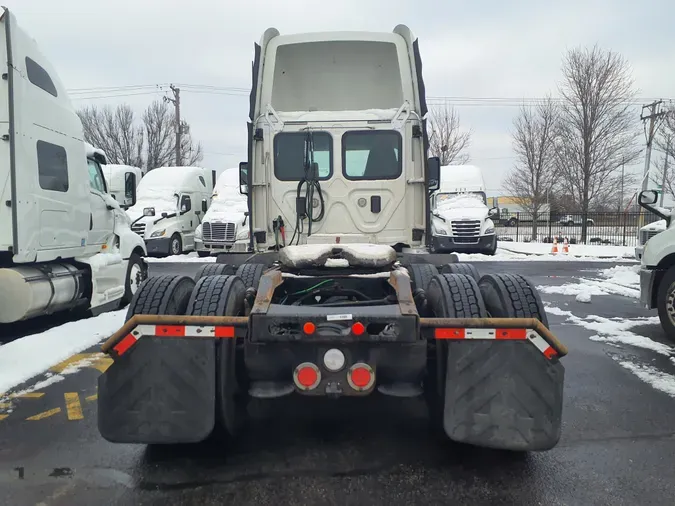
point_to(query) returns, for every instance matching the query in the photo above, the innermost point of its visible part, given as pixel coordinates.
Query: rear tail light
(307, 376)
(358, 328)
(361, 377)
(309, 328)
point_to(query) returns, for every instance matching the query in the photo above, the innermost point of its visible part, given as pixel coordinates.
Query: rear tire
(665, 303)
(461, 268)
(449, 296)
(224, 296)
(137, 272)
(214, 270)
(250, 274)
(168, 294)
(511, 296)
(421, 275)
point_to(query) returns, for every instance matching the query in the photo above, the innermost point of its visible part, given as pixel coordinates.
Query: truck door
(188, 221)
(102, 220)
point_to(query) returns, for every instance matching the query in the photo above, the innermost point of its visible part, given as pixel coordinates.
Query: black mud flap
(503, 395)
(160, 391)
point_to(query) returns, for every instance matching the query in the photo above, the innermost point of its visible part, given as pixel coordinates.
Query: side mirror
(648, 197)
(149, 211)
(130, 184)
(205, 205)
(243, 178)
(434, 172)
(113, 196)
(493, 212)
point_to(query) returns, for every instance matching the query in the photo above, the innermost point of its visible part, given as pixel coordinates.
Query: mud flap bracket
(161, 391)
(502, 395)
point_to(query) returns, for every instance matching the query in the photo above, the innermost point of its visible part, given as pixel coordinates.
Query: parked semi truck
(65, 243)
(657, 265)
(338, 158)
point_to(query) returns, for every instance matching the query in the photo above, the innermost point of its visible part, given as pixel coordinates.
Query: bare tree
(597, 130)
(115, 132)
(160, 133)
(446, 140)
(665, 143)
(531, 179)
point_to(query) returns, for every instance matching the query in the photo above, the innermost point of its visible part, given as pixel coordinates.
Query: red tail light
(358, 328)
(361, 377)
(307, 376)
(309, 328)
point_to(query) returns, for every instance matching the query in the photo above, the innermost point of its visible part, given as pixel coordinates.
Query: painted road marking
(98, 361)
(2, 417)
(44, 414)
(73, 406)
(28, 395)
(91, 398)
(5, 405)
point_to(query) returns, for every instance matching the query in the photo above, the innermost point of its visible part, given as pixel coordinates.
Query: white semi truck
(65, 243)
(338, 159)
(122, 182)
(225, 224)
(461, 219)
(171, 202)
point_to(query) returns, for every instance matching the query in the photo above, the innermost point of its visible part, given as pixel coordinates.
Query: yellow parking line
(44, 414)
(2, 417)
(29, 395)
(92, 398)
(73, 406)
(4, 405)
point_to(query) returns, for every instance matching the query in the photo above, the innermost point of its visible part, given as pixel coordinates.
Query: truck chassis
(194, 351)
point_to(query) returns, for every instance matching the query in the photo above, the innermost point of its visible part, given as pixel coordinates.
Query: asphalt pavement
(617, 443)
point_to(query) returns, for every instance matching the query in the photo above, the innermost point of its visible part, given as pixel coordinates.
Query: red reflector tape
(127, 342)
(225, 332)
(170, 330)
(510, 334)
(450, 333)
(550, 353)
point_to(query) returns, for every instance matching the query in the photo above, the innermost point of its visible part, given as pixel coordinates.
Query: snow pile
(365, 114)
(657, 379)
(29, 356)
(190, 257)
(315, 255)
(623, 275)
(584, 297)
(576, 251)
(620, 280)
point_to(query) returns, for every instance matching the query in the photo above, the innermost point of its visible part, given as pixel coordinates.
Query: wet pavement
(617, 445)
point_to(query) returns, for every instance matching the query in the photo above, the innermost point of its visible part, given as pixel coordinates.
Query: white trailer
(225, 224)
(122, 181)
(169, 207)
(64, 242)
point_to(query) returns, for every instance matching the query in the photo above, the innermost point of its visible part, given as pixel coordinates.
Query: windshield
(441, 197)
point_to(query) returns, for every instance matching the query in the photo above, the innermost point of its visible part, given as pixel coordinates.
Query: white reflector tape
(541, 344)
(479, 334)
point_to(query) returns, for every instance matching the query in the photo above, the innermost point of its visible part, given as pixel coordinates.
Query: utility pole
(665, 172)
(654, 115)
(176, 103)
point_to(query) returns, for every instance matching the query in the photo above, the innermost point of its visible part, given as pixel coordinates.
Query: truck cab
(225, 224)
(122, 181)
(337, 145)
(64, 241)
(461, 219)
(171, 202)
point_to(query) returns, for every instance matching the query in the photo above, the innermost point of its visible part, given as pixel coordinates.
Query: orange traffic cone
(554, 249)
(566, 247)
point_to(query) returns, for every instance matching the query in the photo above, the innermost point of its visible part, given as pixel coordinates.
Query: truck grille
(138, 228)
(645, 235)
(219, 231)
(469, 229)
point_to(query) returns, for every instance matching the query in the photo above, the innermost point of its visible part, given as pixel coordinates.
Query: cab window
(371, 155)
(129, 184)
(290, 154)
(96, 180)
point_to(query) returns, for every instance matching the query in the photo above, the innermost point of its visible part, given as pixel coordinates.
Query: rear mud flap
(160, 391)
(503, 395)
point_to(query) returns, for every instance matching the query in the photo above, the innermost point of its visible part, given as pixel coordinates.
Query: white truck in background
(224, 226)
(646, 233)
(461, 219)
(122, 182)
(64, 242)
(169, 206)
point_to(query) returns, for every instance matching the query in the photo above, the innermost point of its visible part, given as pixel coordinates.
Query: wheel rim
(135, 278)
(670, 304)
(175, 247)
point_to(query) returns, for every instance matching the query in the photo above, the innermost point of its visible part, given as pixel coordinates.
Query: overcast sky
(485, 48)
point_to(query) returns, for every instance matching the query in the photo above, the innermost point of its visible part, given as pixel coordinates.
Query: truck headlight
(158, 233)
(489, 230)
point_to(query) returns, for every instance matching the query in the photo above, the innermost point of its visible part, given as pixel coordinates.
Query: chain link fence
(617, 229)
